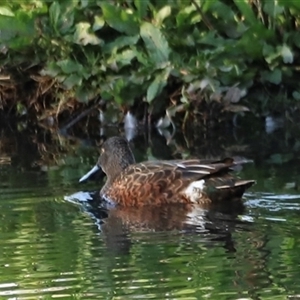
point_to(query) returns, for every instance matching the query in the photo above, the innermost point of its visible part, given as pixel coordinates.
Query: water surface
(53, 248)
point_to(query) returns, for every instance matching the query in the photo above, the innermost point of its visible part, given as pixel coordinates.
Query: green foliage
(127, 50)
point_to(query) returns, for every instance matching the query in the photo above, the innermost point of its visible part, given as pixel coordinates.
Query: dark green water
(51, 248)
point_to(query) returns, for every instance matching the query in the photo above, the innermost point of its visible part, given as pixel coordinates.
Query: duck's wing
(174, 172)
(157, 182)
(194, 168)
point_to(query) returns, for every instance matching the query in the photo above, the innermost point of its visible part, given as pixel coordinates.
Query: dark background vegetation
(197, 59)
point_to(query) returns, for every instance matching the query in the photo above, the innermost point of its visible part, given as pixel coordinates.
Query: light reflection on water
(225, 257)
(52, 248)
(273, 202)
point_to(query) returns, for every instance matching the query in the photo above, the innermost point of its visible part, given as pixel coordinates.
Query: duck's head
(115, 156)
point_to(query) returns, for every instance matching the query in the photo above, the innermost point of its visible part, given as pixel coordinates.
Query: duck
(186, 181)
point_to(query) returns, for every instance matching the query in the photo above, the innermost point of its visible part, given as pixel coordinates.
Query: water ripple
(50, 248)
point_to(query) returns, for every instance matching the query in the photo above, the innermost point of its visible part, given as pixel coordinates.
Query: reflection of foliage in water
(188, 54)
(66, 158)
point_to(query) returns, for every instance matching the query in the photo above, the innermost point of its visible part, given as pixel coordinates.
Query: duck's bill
(88, 174)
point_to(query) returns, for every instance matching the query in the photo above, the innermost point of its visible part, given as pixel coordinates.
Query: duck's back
(177, 181)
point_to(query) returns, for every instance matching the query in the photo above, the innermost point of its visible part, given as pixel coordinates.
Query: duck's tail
(235, 191)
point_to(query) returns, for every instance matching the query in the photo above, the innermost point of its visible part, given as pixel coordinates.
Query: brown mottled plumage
(162, 182)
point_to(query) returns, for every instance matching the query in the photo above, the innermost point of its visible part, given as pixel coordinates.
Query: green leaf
(235, 30)
(246, 10)
(276, 158)
(222, 11)
(274, 76)
(296, 95)
(124, 58)
(72, 80)
(254, 50)
(162, 14)
(142, 58)
(66, 23)
(287, 54)
(117, 84)
(52, 70)
(83, 37)
(290, 3)
(211, 40)
(8, 29)
(119, 19)
(279, 158)
(270, 53)
(156, 43)
(60, 78)
(208, 4)
(16, 32)
(21, 109)
(83, 95)
(84, 3)
(54, 14)
(5, 11)
(98, 23)
(268, 49)
(61, 15)
(294, 3)
(153, 90)
(69, 66)
(119, 43)
(157, 84)
(184, 15)
(141, 6)
(272, 8)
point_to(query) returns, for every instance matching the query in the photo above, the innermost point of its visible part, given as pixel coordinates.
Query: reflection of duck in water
(168, 217)
(165, 217)
(120, 224)
(164, 182)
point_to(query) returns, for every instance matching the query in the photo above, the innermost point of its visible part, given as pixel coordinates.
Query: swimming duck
(163, 182)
